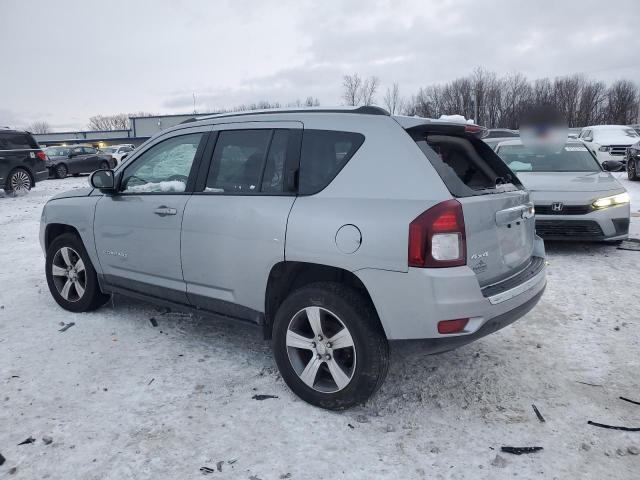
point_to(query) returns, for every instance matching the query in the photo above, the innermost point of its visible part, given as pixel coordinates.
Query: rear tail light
(437, 237)
(41, 155)
(452, 326)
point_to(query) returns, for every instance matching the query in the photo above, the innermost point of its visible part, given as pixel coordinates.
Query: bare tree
(119, 121)
(39, 127)
(352, 89)
(392, 99)
(369, 89)
(622, 102)
(311, 102)
(357, 91)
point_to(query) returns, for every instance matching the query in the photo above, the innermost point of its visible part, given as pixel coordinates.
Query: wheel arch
(285, 277)
(54, 230)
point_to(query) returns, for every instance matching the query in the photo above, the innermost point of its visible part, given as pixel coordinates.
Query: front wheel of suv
(329, 345)
(72, 280)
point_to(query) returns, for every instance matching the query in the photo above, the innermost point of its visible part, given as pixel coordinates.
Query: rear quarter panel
(386, 184)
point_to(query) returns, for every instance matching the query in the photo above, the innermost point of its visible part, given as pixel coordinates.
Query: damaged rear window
(467, 165)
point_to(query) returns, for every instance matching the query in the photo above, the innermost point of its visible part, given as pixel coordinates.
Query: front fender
(77, 213)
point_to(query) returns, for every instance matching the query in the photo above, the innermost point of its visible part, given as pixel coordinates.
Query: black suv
(22, 161)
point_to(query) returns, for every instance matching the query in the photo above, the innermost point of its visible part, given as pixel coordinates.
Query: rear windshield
(467, 165)
(571, 158)
(17, 141)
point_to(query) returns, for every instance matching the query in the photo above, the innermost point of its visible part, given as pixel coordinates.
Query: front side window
(165, 167)
(324, 154)
(90, 150)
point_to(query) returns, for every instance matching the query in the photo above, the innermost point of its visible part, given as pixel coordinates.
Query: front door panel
(138, 243)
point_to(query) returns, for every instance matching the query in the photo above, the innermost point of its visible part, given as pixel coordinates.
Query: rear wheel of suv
(71, 277)
(61, 170)
(18, 181)
(329, 346)
(632, 170)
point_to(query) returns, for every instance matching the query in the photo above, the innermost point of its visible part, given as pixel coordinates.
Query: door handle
(163, 211)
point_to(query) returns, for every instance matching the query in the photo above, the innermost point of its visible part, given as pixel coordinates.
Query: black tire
(18, 180)
(632, 170)
(92, 297)
(61, 170)
(370, 346)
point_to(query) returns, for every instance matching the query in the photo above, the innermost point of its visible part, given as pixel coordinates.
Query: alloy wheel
(631, 170)
(69, 274)
(321, 349)
(20, 181)
(61, 171)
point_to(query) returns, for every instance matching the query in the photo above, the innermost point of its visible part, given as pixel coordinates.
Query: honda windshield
(570, 158)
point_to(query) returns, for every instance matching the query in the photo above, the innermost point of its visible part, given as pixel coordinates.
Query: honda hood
(569, 181)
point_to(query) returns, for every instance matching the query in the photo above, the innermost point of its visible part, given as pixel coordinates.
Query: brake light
(475, 130)
(452, 326)
(437, 237)
(41, 155)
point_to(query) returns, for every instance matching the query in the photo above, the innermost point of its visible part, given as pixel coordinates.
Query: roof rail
(364, 110)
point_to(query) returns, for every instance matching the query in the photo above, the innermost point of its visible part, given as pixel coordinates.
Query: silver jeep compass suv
(336, 231)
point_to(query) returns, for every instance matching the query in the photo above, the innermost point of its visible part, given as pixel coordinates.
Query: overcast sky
(64, 61)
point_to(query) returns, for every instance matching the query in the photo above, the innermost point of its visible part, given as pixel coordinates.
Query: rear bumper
(411, 304)
(607, 224)
(439, 345)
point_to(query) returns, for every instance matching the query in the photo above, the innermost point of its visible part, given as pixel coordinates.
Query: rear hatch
(498, 213)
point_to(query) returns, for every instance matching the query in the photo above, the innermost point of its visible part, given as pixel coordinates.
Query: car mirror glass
(103, 180)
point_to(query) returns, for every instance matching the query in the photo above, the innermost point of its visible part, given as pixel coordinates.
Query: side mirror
(103, 180)
(612, 166)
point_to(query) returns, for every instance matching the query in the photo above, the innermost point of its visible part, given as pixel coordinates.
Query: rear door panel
(230, 242)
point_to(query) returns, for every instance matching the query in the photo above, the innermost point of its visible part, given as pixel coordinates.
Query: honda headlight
(611, 201)
(604, 149)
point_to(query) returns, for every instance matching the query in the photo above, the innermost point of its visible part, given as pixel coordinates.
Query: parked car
(575, 197)
(632, 159)
(22, 161)
(76, 159)
(394, 228)
(501, 133)
(118, 152)
(495, 141)
(574, 132)
(609, 142)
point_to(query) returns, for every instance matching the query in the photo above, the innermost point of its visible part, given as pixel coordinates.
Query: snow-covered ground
(123, 399)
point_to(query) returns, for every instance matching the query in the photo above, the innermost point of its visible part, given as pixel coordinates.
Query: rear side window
(17, 141)
(324, 154)
(467, 166)
(249, 162)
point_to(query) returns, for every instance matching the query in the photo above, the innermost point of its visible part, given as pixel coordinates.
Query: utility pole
(194, 102)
